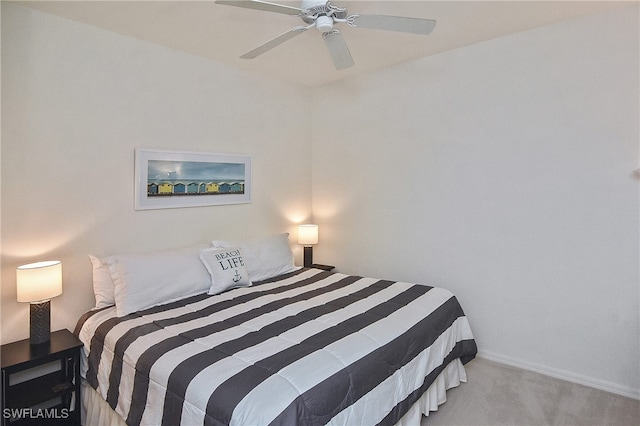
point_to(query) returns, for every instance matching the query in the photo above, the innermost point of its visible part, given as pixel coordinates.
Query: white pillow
(226, 267)
(264, 257)
(149, 279)
(103, 285)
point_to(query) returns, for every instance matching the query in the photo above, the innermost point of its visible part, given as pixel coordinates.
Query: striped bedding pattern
(309, 347)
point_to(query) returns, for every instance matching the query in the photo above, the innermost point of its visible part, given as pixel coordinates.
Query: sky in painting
(194, 170)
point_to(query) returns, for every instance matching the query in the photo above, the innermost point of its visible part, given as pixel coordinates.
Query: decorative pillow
(103, 285)
(226, 267)
(149, 279)
(265, 257)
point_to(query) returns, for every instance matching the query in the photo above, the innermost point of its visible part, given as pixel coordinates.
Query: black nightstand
(36, 397)
(323, 267)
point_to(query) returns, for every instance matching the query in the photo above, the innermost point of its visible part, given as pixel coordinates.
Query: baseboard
(561, 374)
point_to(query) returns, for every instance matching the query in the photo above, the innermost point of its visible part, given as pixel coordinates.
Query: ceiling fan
(324, 15)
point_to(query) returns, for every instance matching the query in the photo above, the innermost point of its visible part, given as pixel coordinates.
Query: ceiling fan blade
(338, 49)
(393, 23)
(274, 42)
(262, 5)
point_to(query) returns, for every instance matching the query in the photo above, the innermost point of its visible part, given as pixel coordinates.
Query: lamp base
(39, 322)
(308, 256)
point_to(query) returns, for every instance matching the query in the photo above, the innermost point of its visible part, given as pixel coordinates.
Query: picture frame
(176, 179)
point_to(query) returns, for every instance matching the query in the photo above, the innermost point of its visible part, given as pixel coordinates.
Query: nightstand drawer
(41, 389)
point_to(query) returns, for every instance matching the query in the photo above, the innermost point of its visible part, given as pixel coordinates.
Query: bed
(303, 346)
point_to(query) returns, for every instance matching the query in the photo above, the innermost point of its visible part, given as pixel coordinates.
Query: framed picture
(171, 179)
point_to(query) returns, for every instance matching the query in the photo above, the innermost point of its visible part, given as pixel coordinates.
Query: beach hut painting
(171, 179)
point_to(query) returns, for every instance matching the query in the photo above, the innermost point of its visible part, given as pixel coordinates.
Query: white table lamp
(37, 283)
(308, 236)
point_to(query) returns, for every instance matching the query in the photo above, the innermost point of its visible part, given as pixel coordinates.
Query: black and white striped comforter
(309, 347)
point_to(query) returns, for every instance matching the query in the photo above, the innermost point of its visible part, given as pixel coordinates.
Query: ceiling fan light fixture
(324, 24)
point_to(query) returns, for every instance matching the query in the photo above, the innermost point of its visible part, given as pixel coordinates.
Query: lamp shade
(308, 234)
(39, 281)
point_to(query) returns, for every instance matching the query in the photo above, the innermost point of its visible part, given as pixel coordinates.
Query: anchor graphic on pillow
(236, 277)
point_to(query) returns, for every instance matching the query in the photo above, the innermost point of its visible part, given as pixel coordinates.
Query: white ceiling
(223, 33)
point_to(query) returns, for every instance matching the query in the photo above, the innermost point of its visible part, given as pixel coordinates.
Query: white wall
(502, 171)
(77, 100)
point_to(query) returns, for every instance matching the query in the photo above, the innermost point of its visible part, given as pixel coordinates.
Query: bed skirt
(97, 412)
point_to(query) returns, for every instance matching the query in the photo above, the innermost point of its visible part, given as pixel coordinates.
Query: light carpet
(497, 394)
